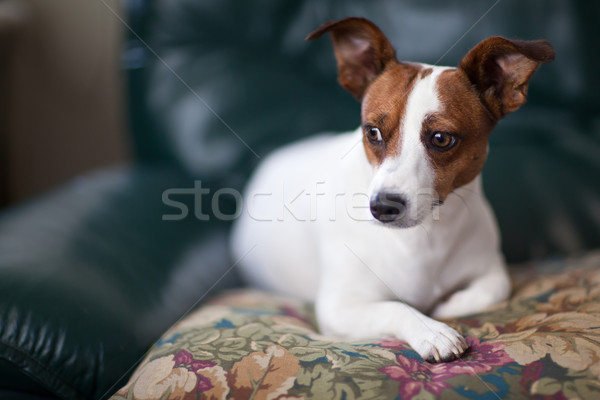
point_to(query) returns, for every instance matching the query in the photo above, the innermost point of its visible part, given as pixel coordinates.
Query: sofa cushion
(248, 344)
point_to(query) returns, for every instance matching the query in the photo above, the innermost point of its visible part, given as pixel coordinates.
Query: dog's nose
(387, 207)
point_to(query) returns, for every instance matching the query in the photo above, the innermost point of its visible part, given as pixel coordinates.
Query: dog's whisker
(426, 232)
(471, 191)
(462, 199)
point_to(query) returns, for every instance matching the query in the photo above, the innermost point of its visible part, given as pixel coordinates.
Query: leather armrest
(91, 275)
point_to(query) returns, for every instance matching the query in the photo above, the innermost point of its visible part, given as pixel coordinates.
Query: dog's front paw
(437, 342)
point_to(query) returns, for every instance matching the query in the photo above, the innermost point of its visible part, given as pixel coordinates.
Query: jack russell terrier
(382, 234)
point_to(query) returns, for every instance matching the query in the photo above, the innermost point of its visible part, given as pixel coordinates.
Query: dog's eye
(442, 140)
(374, 135)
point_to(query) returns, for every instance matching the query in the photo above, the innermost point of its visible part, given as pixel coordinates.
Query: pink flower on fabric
(392, 343)
(531, 373)
(479, 358)
(416, 375)
(184, 359)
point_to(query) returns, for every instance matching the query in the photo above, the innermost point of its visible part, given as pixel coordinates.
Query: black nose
(387, 207)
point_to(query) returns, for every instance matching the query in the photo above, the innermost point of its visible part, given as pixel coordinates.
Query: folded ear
(500, 69)
(362, 52)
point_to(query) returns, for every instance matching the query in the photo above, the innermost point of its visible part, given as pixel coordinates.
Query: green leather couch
(93, 273)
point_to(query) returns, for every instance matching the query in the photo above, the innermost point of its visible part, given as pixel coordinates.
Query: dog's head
(426, 128)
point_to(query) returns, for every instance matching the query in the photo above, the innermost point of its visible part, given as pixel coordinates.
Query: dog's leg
(433, 340)
(346, 310)
(483, 292)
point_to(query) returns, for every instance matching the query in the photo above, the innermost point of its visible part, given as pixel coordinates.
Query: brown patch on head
(425, 72)
(490, 82)
(465, 118)
(383, 106)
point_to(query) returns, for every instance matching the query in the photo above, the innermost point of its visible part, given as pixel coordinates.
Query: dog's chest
(414, 269)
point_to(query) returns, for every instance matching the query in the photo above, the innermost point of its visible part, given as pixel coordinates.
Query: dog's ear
(362, 52)
(500, 69)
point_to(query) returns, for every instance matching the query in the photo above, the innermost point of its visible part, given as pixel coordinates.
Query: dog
(388, 224)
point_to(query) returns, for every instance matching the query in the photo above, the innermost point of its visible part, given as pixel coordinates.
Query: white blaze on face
(410, 173)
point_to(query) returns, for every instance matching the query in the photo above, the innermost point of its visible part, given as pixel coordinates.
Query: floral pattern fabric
(543, 343)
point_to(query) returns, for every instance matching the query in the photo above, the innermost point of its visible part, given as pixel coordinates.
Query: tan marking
(464, 115)
(384, 105)
(425, 73)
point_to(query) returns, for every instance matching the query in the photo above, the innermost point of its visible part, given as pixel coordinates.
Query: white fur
(307, 231)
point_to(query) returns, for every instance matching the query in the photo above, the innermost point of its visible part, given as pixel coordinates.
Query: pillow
(247, 344)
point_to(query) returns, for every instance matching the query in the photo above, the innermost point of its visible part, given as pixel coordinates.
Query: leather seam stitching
(40, 364)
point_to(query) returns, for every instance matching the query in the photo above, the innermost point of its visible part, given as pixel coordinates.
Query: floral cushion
(543, 343)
